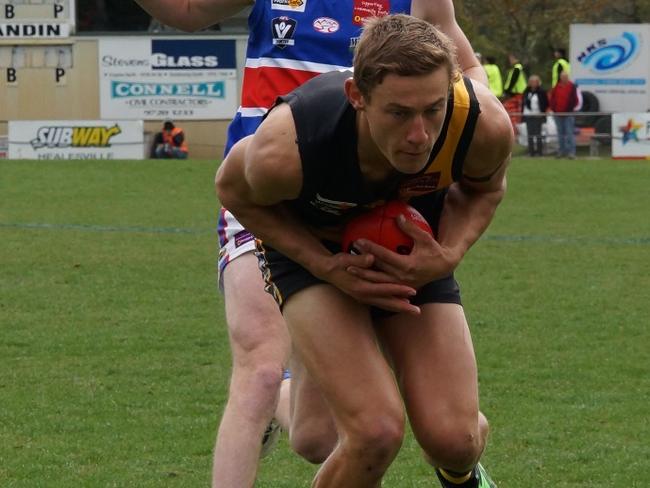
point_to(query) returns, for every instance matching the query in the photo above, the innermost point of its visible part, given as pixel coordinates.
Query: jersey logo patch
(334, 207)
(242, 237)
(364, 9)
(326, 25)
(290, 5)
(420, 185)
(283, 30)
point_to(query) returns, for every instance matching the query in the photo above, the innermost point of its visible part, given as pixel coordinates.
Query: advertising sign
(36, 20)
(76, 139)
(631, 135)
(34, 30)
(613, 62)
(176, 79)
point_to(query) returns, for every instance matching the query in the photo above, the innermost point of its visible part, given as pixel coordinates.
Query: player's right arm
(193, 15)
(260, 174)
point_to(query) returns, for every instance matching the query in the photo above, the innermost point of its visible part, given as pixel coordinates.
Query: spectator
(559, 66)
(563, 101)
(534, 106)
(516, 77)
(495, 82)
(170, 143)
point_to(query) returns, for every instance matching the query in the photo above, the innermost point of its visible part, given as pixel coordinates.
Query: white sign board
(76, 139)
(613, 62)
(40, 19)
(34, 30)
(631, 135)
(154, 78)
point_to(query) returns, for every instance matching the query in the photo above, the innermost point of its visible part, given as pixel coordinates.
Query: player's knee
(456, 446)
(314, 440)
(377, 437)
(267, 378)
(258, 383)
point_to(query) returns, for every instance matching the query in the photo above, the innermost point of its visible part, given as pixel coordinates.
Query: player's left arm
(441, 14)
(472, 201)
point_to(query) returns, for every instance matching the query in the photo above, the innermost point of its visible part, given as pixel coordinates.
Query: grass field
(113, 349)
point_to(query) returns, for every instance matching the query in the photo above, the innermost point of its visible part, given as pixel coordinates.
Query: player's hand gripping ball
(379, 225)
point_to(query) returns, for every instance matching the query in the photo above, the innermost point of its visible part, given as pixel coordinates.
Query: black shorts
(284, 277)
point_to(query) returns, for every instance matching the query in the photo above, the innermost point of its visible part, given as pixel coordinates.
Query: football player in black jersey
(385, 128)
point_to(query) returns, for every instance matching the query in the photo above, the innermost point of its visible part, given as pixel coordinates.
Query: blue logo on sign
(606, 55)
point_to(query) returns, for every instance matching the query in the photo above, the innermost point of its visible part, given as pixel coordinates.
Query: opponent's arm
(264, 171)
(193, 15)
(441, 14)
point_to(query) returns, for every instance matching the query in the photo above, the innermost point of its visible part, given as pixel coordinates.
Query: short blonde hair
(402, 45)
(535, 78)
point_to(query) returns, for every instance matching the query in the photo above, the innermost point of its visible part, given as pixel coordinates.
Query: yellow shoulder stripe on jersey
(456, 134)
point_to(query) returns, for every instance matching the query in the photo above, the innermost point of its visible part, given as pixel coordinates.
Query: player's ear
(354, 95)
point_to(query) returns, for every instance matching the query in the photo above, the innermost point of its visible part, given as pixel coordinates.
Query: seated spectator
(170, 143)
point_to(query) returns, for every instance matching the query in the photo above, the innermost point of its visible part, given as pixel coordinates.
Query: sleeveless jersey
(333, 188)
(291, 41)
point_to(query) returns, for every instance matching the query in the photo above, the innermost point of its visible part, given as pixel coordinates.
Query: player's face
(405, 117)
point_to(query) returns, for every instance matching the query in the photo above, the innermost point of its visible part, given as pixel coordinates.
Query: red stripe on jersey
(263, 85)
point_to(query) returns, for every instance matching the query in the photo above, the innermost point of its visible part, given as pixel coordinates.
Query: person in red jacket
(563, 100)
(170, 143)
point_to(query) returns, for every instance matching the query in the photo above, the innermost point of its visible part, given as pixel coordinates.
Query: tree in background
(630, 11)
(533, 29)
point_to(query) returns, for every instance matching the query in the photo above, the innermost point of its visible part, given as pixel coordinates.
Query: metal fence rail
(593, 130)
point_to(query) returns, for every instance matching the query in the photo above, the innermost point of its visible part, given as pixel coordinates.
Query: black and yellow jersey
(448, 154)
(334, 189)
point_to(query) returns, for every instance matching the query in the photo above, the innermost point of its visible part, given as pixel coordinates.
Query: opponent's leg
(260, 347)
(283, 408)
(312, 433)
(280, 420)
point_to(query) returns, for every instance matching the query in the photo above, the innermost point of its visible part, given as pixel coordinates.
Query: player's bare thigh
(334, 337)
(433, 357)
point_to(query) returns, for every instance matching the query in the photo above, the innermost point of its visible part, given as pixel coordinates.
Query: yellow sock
(457, 479)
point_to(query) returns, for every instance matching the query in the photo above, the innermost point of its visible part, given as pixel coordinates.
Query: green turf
(113, 353)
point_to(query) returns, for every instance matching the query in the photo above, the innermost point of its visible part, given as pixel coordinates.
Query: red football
(380, 225)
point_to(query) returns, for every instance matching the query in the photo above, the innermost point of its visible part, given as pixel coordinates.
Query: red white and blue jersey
(291, 41)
